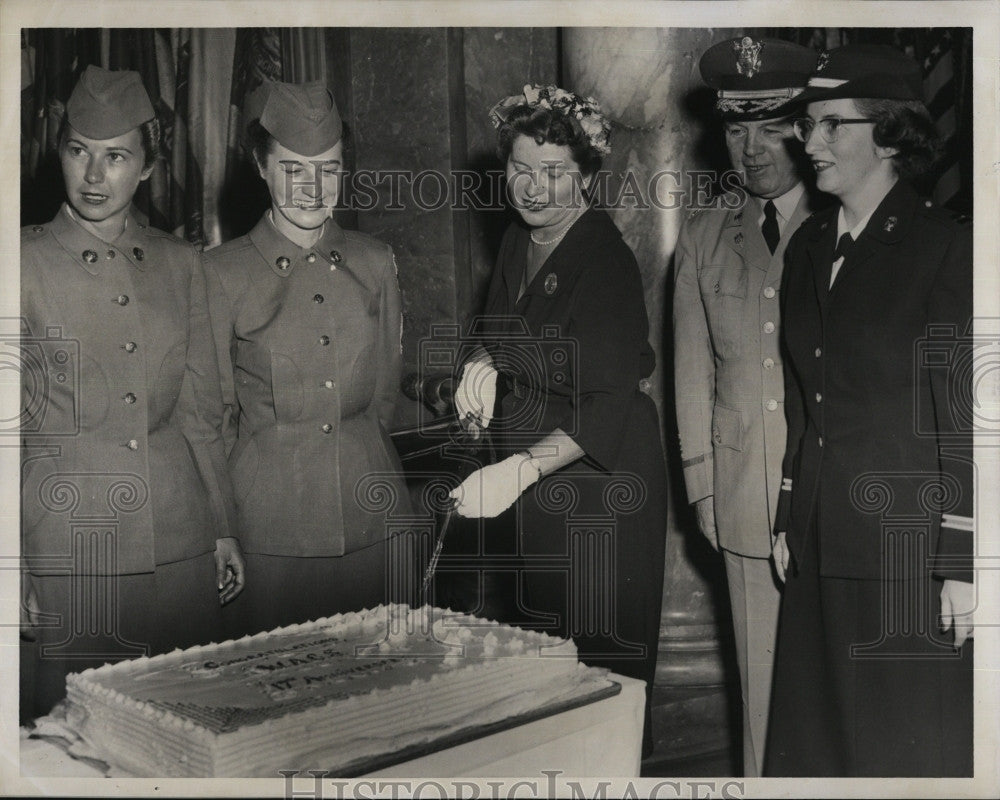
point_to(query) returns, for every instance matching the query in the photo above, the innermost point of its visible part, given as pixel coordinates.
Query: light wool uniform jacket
(727, 367)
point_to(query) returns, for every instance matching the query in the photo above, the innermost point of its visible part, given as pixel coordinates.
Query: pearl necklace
(558, 237)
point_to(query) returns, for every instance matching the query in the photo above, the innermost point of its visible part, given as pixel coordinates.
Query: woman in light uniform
(307, 319)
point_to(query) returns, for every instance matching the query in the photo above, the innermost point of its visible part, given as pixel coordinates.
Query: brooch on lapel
(890, 224)
(551, 283)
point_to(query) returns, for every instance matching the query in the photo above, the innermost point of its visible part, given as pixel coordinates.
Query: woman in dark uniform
(127, 507)
(307, 320)
(584, 463)
(878, 489)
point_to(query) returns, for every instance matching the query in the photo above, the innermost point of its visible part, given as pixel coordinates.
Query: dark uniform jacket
(728, 380)
(122, 420)
(877, 399)
(310, 345)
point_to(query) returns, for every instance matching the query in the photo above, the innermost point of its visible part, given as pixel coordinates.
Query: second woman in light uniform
(307, 317)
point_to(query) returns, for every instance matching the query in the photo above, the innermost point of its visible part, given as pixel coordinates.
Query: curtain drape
(203, 187)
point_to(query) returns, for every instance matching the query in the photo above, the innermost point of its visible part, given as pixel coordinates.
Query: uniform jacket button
(329, 384)
(324, 340)
(327, 427)
(768, 327)
(317, 298)
(129, 398)
(768, 363)
(769, 292)
(111, 253)
(311, 258)
(820, 441)
(772, 405)
(122, 299)
(819, 397)
(130, 347)
(132, 444)
(819, 352)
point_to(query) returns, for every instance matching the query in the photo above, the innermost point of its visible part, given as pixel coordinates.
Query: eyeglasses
(829, 127)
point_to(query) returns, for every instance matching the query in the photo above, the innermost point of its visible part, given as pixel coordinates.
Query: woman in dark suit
(307, 319)
(127, 513)
(567, 335)
(874, 530)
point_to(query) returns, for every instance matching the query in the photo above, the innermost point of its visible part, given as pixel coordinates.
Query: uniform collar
(784, 205)
(91, 252)
(282, 255)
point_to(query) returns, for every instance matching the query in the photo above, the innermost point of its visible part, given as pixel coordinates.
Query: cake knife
(438, 547)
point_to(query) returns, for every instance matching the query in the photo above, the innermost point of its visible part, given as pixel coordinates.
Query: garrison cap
(301, 116)
(864, 70)
(756, 78)
(105, 103)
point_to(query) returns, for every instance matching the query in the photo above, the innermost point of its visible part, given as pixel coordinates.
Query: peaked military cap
(756, 78)
(865, 70)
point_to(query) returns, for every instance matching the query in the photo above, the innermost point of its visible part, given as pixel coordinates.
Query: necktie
(844, 246)
(770, 227)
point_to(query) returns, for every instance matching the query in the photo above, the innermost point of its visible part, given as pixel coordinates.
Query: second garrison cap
(105, 103)
(875, 71)
(756, 78)
(301, 116)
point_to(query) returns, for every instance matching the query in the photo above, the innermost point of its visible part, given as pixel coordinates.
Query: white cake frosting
(327, 694)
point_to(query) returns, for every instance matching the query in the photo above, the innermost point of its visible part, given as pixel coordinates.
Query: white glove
(477, 393)
(490, 491)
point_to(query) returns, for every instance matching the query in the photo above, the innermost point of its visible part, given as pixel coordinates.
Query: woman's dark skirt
(865, 683)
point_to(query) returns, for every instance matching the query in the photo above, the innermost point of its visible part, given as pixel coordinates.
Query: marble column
(647, 81)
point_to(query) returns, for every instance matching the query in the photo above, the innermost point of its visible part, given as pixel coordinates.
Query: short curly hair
(547, 126)
(905, 125)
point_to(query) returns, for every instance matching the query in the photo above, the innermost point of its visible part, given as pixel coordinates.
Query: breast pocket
(724, 294)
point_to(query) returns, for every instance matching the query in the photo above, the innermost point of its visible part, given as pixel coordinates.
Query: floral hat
(585, 110)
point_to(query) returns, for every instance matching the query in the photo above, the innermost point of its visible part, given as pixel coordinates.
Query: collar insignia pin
(738, 239)
(890, 224)
(738, 217)
(551, 283)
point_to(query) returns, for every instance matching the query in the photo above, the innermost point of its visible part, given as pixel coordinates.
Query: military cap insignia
(890, 224)
(824, 57)
(747, 56)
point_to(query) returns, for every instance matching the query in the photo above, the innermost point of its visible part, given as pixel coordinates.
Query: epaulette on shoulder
(930, 209)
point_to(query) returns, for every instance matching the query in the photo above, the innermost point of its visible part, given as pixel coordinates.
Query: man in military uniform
(728, 376)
